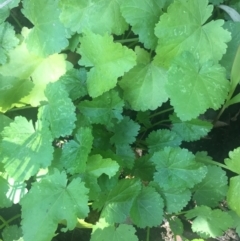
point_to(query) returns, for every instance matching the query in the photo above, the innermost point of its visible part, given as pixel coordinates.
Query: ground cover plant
(100, 102)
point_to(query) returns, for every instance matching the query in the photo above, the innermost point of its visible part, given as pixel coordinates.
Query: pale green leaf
(142, 16)
(119, 200)
(125, 132)
(60, 111)
(147, 209)
(98, 16)
(194, 87)
(233, 162)
(233, 195)
(191, 130)
(97, 166)
(103, 109)
(209, 223)
(75, 152)
(40, 70)
(144, 87)
(12, 233)
(12, 90)
(50, 201)
(177, 168)
(4, 186)
(123, 232)
(48, 35)
(5, 10)
(159, 139)
(8, 40)
(4, 121)
(206, 193)
(24, 149)
(179, 31)
(108, 60)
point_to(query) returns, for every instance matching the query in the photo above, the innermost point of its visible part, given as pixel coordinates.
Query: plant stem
(16, 20)
(148, 234)
(6, 223)
(160, 112)
(127, 40)
(20, 108)
(216, 163)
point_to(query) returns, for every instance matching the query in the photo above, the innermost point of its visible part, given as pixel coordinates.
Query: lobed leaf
(108, 60)
(233, 162)
(233, 195)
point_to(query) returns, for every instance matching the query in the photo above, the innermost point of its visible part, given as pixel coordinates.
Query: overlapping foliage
(97, 142)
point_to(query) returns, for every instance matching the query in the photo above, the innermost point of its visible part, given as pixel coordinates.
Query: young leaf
(123, 232)
(59, 111)
(144, 87)
(194, 87)
(108, 60)
(125, 132)
(233, 162)
(191, 130)
(75, 152)
(103, 109)
(209, 223)
(159, 139)
(177, 168)
(96, 166)
(50, 201)
(143, 16)
(8, 40)
(24, 149)
(119, 200)
(233, 195)
(12, 233)
(177, 34)
(98, 16)
(12, 90)
(206, 193)
(147, 208)
(48, 35)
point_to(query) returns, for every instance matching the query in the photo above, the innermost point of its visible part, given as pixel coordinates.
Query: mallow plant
(116, 88)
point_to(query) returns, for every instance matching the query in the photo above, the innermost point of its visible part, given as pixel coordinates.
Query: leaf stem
(6, 223)
(148, 234)
(215, 163)
(127, 40)
(160, 112)
(16, 20)
(20, 108)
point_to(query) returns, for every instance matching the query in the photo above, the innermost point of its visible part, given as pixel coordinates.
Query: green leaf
(194, 87)
(176, 226)
(8, 40)
(108, 60)
(119, 200)
(12, 90)
(59, 112)
(125, 132)
(48, 35)
(5, 10)
(75, 83)
(98, 16)
(40, 70)
(24, 149)
(96, 166)
(206, 193)
(4, 186)
(228, 57)
(12, 233)
(159, 139)
(123, 232)
(143, 17)
(147, 209)
(216, 2)
(236, 221)
(127, 155)
(191, 130)
(209, 223)
(50, 201)
(177, 168)
(233, 162)
(75, 152)
(179, 31)
(144, 87)
(4, 121)
(235, 79)
(233, 195)
(103, 109)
